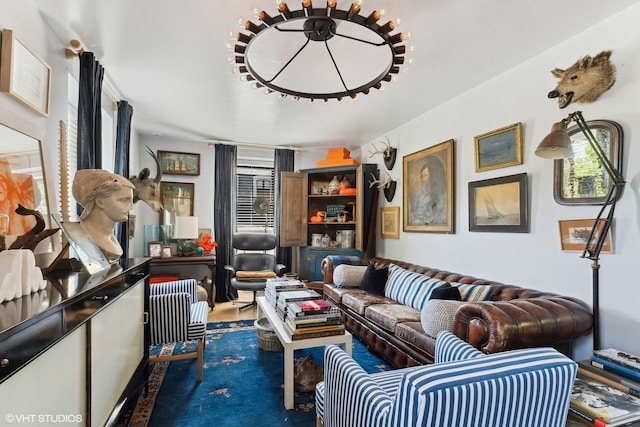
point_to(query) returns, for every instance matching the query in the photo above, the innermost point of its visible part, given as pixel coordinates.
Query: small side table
(183, 265)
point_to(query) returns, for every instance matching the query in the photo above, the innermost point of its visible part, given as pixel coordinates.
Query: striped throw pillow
(409, 288)
(474, 292)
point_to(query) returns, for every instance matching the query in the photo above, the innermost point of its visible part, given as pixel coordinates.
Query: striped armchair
(464, 387)
(176, 315)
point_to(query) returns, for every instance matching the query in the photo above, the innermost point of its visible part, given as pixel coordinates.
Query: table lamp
(185, 233)
(557, 145)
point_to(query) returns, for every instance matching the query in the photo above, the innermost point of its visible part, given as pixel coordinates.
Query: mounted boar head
(585, 80)
(147, 188)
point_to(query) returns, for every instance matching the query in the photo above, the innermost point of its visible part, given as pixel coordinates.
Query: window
(255, 199)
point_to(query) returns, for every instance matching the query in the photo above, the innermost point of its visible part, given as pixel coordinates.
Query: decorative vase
(345, 183)
(334, 185)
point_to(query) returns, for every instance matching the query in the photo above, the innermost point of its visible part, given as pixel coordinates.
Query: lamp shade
(186, 227)
(556, 145)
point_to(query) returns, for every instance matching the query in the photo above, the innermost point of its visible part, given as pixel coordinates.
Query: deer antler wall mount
(388, 186)
(388, 153)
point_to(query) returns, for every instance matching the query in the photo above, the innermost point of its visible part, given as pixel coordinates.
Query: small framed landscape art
(177, 163)
(428, 189)
(390, 222)
(499, 148)
(499, 204)
(177, 200)
(574, 235)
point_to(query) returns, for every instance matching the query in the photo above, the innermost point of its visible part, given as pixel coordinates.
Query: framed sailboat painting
(499, 204)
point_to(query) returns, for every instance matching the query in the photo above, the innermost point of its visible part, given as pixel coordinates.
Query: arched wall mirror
(25, 177)
(581, 179)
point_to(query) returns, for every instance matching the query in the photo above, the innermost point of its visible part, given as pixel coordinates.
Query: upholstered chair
(529, 387)
(253, 263)
(176, 315)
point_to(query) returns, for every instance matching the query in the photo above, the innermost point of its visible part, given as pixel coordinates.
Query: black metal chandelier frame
(319, 25)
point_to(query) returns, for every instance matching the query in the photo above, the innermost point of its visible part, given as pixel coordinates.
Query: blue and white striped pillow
(409, 288)
(474, 292)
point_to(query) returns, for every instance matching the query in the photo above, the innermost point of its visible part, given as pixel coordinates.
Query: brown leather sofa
(515, 317)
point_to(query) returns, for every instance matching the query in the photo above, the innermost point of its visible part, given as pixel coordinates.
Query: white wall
(534, 259)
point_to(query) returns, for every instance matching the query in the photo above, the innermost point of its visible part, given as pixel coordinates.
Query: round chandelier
(318, 52)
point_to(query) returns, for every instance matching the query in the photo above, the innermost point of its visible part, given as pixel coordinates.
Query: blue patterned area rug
(242, 385)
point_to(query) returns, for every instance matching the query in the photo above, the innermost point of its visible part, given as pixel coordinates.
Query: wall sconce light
(557, 145)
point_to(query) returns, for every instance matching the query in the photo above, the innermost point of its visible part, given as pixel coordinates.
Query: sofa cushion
(359, 300)
(348, 276)
(437, 315)
(474, 292)
(446, 291)
(409, 288)
(375, 279)
(413, 334)
(387, 316)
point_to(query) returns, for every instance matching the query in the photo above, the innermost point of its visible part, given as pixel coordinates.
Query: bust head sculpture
(107, 198)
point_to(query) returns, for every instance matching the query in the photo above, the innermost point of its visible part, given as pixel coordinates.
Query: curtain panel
(122, 159)
(223, 217)
(90, 113)
(283, 162)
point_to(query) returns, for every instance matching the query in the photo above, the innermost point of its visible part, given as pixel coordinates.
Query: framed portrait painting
(499, 148)
(499, 204)
(428, 189)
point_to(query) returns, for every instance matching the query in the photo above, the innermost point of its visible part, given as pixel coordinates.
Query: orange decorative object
(206, 243)
(347, 191)
(337, 157)
(318, 217)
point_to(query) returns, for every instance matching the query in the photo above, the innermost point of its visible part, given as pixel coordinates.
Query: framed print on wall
(574, 235)
(177, 200)
(177, 163)
(499, 148)
(390, 222)
(428, 189)
(499, 204)
(23, 75)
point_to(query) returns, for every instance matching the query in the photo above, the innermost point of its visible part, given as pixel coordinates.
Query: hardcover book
(608, 365)
(611, 378)
(620, 357)
(603, 402)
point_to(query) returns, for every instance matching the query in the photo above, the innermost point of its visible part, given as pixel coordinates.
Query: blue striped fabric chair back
(529, 387)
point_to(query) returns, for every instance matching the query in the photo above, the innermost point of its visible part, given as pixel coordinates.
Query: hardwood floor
(229, 311)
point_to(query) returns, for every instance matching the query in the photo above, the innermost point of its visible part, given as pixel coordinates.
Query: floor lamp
(557, 145)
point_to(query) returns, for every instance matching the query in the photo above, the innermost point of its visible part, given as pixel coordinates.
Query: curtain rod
(254, 145)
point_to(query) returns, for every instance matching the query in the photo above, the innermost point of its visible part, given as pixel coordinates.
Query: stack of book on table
(312, 319)
(607, 389)
(275, 286)
(286, 297)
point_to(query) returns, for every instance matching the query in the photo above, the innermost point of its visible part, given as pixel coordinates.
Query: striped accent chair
(176, 315)
(464, 387)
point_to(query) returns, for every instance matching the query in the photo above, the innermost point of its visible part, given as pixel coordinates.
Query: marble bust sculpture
(107, 199)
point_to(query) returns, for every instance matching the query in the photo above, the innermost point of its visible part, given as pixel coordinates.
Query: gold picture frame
(177, 200)
(23, 75)
(574, 234)
(499, 148)
(428, 189)
(390, 222)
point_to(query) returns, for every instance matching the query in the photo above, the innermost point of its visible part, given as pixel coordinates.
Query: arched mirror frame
(573, 189)
(49, 247)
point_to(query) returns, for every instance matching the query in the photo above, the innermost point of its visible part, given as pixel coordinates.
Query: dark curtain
(123, 141)
(224, 217)
(283, 162)
(90, 113)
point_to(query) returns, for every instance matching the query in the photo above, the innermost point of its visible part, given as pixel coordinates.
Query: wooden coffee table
(265, 309)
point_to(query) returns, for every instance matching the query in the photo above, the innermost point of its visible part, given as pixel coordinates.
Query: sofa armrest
(189, 286)
(352, 398)
(169, 316)
(498, 326)
(330, 262)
